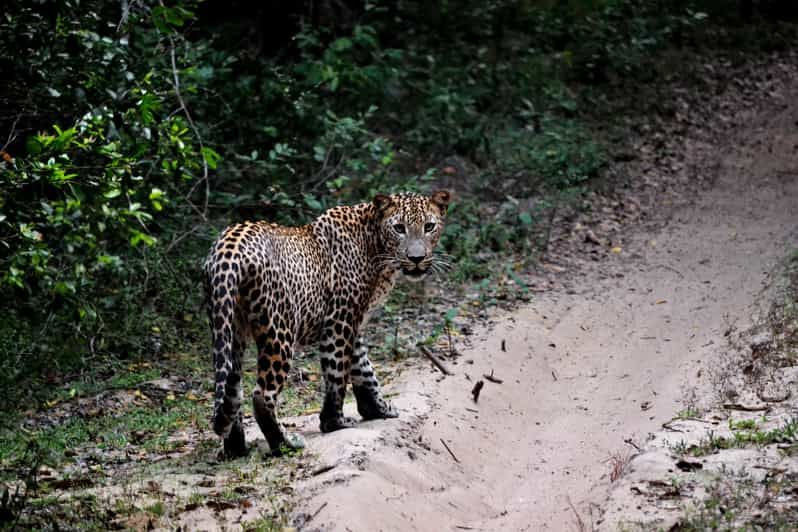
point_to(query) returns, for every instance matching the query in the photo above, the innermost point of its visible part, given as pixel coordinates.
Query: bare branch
(176, 83)
(12, 135)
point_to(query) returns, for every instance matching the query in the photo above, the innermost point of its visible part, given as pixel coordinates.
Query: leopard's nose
(415, 252)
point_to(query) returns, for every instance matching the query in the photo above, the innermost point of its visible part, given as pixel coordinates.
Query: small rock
(591, 238)
(761, 343)
(686, 465)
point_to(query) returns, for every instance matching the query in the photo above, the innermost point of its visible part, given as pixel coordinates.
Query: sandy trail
(582, 371)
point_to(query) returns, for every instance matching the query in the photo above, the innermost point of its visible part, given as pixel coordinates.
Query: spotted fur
(295, 286)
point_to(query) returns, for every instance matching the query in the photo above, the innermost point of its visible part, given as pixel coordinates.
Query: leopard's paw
(337, 423)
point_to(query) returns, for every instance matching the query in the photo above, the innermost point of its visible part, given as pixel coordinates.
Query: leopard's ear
(441, 199)
(382, 202)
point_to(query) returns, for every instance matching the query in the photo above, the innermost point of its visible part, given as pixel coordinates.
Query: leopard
(291, 287)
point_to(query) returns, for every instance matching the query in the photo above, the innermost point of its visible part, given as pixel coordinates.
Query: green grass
(147, 426)
(743, 424)
(688, 413)
(735, 502)
(156, 508)
(745, 434)
(263, 524)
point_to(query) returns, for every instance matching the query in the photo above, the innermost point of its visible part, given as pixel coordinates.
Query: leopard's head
(410, 226)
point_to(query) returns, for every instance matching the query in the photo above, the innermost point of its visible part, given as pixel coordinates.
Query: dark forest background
(132, 131)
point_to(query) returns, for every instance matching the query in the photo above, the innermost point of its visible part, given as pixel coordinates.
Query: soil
(650, 283)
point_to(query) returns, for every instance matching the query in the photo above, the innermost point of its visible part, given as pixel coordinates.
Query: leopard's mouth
(414, 272)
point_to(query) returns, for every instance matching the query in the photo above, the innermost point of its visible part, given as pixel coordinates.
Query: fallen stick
(629, 441)
(477, 388)
(426, 352)
(698, 419)
(667, 426)
(746, 408)
(317, 512)
(491, 378)
(450, 451)
(580, 524)
(323, 469)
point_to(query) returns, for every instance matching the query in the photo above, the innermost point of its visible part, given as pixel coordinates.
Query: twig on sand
(580, 524)
(317, 512)
(746, 408)
(450, 451)
(491, 378)
(629, 441)
(665, 266)
(667, 426)
(323, 469)
(477, 389)
(426, 352)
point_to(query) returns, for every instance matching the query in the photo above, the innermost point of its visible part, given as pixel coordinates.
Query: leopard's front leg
(366, 388)
(337, 347)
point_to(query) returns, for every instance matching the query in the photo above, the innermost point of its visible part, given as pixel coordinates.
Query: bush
(86, 200)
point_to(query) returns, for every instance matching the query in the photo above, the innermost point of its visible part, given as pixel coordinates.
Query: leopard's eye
(429, 227)
(399, 228)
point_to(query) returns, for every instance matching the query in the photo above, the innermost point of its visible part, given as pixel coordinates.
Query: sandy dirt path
(582, 371)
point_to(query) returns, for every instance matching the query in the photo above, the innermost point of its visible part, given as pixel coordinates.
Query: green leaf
(341, 45)
(312, 202)
(139, 237)
(33, 146)
(112, 193)
(211, 157)
(64, 288)
(521, 284)
(451, 314)
(29, 232)
(525, 218)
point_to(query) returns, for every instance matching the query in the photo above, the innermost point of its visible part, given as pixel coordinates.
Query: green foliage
(562, 156)
(87, 198)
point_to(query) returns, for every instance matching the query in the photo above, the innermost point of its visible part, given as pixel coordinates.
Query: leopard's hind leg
(228, 335)
(235, 442)
(274, 364)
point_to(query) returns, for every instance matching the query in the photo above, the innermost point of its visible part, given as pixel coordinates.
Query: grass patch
(689, 412)
(146, 426)
(736, 502)
(745, 434)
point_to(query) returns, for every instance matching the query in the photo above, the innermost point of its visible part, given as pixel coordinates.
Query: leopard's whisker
(442, 265)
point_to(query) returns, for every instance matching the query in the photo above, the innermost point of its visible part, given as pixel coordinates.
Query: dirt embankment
(589, 371)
